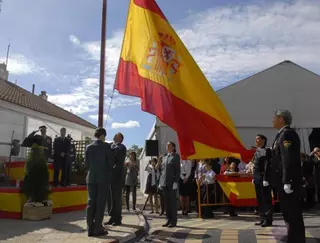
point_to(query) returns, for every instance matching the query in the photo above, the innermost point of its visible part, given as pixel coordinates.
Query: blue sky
(55, 45)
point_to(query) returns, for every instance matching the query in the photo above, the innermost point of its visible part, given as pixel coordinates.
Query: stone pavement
(225, 229)
(68, 228)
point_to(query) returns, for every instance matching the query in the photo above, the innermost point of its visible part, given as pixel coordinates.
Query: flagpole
(102, 62)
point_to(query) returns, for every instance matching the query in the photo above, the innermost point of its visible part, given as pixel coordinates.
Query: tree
(36, 181)
(135, 148)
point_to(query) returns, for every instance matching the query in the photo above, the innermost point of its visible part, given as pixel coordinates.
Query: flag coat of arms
(156, 66)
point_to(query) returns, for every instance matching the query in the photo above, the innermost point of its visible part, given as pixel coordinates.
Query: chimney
(33, 87)
(44, 95)
(4, 74)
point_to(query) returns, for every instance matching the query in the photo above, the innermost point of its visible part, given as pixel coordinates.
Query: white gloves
(175, 186)
(265, 183)
(287, 188)
(252, 181)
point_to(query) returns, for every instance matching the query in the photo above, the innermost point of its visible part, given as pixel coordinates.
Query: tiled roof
(14, 94)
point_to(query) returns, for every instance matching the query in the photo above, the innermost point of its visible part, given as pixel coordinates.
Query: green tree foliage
(136, 149)
(36, 181)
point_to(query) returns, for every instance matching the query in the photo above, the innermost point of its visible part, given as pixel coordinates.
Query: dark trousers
(162, 201)
(264, 199)
(59, 165)
(317, 180)
(170, 198)
(115, 207)
(310, 193)
(292, 215)
(68, 172)
(133, 189)
(97, 198)
(208, 197)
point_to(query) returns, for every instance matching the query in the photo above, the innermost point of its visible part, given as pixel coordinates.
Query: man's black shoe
(172, 225)
(284, 238)
(116, 223)
(259, 223)
(110, 222)
(100, 232)
(266, 224)
(166, 224)
(90, 231)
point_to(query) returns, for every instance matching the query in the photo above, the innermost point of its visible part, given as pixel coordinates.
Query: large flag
(156, 66)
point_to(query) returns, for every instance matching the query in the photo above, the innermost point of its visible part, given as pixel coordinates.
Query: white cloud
(75, 40)
(229, 42)
(105, 117)
(128, 124)
(19, 64)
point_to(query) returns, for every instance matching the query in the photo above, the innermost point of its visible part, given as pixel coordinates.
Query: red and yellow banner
(65, 199)
(15, 170)
(156, 66)
(238, 189)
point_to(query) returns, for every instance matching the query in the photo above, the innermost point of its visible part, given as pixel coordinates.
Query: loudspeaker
(152, 148)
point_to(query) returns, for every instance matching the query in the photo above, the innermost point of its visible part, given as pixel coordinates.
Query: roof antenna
(8, 50)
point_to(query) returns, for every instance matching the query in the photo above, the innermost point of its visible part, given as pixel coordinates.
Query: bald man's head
(316, 149)
(316, 152)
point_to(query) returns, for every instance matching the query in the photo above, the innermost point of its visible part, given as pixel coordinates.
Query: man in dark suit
(100, 161)
(46, 141)
(168, 183)
(115, 201)
(71, 158)
(61, 149)
(261, 160)
(286, 156)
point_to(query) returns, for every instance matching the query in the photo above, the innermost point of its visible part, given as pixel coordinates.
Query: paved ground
(224, 229)
(68, 228)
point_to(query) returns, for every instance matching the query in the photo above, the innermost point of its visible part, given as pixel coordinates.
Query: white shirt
(209, 177)
(283, 128)
(242, 166)
(185, 169)
(150, 169)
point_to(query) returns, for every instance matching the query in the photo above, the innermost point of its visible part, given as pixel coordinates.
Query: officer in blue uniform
(286, 162)
(261, 161)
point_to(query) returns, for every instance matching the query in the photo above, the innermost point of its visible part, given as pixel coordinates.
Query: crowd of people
(293, 178)
(281, 170)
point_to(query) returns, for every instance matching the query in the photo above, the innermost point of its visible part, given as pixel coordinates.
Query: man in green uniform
(100, 161)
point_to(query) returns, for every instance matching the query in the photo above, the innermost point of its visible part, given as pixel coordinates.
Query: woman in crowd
(200, 170)
(308, 180)
(232, 169)
(225, 165)
(193, 190)
(160, 192)
(207, 189)
(131, 179)
(185, 185)
(151, 187)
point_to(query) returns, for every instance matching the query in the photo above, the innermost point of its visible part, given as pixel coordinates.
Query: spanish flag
(156, 66)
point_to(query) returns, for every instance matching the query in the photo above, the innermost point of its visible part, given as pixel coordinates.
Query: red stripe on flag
(150, 5)
(190, 123)
(229, 178)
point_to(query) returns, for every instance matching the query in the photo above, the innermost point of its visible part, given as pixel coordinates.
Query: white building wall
(53, 129)
(10, 123)
(23, 121)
